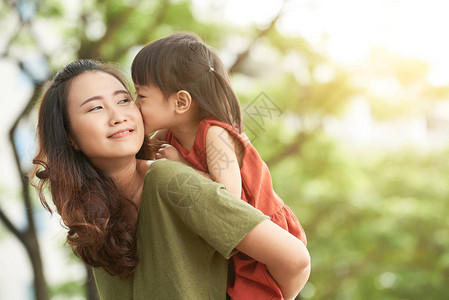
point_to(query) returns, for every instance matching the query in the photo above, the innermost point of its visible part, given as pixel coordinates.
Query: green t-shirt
(187, 230)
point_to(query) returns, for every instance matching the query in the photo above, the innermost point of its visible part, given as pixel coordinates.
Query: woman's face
(106, 123)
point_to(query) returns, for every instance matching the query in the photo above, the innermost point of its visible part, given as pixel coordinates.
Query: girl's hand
(169, 152)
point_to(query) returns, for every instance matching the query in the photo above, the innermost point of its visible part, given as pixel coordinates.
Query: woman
(150, 229)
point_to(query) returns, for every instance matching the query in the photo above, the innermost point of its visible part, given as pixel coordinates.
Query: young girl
(146, 227)
(184, 93)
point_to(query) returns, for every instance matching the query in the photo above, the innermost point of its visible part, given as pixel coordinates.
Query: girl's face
(106, 123)
(157, 111)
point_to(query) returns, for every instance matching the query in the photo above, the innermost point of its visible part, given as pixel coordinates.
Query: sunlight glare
(347, 30)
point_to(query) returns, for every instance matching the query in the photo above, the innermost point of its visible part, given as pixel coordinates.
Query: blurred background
(347, 102)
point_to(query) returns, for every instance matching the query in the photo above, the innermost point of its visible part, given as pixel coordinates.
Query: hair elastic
(211, 69)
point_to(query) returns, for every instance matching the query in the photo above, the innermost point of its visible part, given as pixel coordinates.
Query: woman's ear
(183, 101)
(73, 144)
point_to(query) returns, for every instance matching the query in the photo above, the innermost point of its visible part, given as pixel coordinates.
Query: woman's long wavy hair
(90, 205)
(183, 62)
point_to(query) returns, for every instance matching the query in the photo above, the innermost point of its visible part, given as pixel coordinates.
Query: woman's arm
(222, 160)
(222, 219)
(285, 256)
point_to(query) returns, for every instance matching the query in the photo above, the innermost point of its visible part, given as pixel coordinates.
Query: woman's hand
(170, 152)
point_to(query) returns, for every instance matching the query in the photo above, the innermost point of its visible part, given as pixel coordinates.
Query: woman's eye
(96, 108)
(124, 101)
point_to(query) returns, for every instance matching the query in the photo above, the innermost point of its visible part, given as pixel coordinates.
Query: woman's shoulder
(164, 168)
(167, 175)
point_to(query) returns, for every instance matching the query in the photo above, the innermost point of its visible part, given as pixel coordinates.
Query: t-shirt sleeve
(206, 207)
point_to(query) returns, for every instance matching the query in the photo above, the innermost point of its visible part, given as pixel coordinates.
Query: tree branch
(93, 49)
(142, 39)
(12, 227)
(23, 175)
(241, 57)
(292, 149)
(13, 38)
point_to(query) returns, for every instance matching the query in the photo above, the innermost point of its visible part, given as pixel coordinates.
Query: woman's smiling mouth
(121, 133)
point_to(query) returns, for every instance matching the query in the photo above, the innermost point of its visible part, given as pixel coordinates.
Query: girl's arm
(285, 256)
(222, 160)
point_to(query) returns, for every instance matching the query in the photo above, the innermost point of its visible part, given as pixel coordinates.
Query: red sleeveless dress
(252, 280)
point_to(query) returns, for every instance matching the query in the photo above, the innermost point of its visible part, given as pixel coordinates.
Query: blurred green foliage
(375, 220)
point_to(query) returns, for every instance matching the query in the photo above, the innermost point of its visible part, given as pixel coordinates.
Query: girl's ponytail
(231, 104)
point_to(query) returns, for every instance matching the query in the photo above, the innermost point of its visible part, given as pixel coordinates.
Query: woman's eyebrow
(101, 97)
(121, 92)
(91, 99)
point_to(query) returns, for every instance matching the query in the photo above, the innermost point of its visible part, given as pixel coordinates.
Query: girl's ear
(183, 101)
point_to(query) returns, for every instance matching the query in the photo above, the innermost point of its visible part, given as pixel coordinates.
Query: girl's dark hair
(183, 62)
(91, 207)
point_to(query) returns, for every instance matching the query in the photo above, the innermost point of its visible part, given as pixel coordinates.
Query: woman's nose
(117, 117)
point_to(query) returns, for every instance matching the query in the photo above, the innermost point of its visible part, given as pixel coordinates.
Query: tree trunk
(40, 285)
(29, 236)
